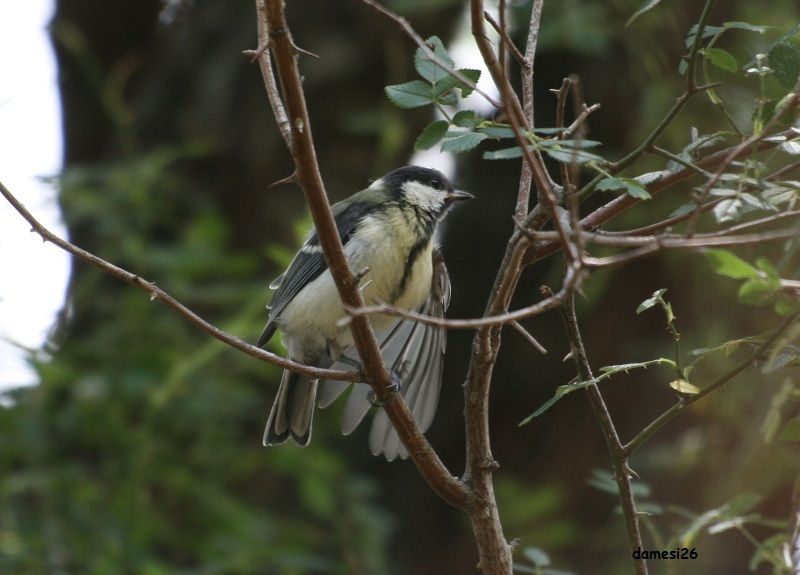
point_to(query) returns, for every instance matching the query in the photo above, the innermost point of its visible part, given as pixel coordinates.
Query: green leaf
(791, 431)
(746, 26)
(729, 264)
(561, 391)
(784, 59)
(499, 132)
(722, 59)
(462, 142)
(432, 133)
(684, 387)
(631, 186)
(648, 5)
(451, 82)
(766, 266)
(758, 291)
(505, 153)
(426, 67)
(651, 301)
(568, 156)
(466, 119)
(410, 95)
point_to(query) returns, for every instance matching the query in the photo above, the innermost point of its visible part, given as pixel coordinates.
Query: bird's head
(423, 189)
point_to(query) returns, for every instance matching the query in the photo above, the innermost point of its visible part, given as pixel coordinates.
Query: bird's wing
(412, 350)
(309, 263)
(422, 359)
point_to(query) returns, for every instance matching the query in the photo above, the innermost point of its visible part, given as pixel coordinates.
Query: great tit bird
(387, 229)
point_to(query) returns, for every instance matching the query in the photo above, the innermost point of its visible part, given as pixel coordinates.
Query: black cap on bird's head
(425, 187)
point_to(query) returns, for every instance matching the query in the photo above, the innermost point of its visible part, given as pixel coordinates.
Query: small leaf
(632, 187)
(561, 391)
(757, 291)
(410, 95)
(708, 31)
(466, 119)
(432, 133)
(648, 5)
(727, 210)
(505, 153)
(426, 67)
(791, 431)
(784, 59)
(722, 59)
(651, 301)
(568, 156)
(684, 387)
(730, 265)
(746, 26)
(451, 81)
(766, 266)
(499, 132)
(463, 142)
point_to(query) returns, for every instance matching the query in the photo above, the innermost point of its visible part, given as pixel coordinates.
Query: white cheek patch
(428, 198)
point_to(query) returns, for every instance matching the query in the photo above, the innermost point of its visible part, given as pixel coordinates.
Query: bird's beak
(458, 195)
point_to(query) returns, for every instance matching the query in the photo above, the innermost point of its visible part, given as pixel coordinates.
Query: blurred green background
(140, 450)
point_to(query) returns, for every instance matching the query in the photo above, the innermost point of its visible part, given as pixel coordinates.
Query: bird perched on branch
(388, 230)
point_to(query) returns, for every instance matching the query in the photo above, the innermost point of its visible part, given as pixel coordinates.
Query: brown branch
(619, 458)
(271, 86)
(282, 47)
(623, 203)
(526, 80)
(530, 339)
(506, 40)
(658, 226)
(161, 295)
(571, 282)
(677, 241)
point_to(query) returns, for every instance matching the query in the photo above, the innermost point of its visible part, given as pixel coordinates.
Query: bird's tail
(293, 411)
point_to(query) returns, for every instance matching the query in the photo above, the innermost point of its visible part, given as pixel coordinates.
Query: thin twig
(789, 108)
(527, 335)
(663, 224)
(271, 86)
(506, 40)
(428, 52)
(571, 282)
(618, 456)
(678, 241)
(157, 293)
(526, 80)
(623, 203)
(687, 400)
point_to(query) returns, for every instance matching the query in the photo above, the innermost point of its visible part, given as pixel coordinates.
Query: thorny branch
(161, 295)
(280, 45)
(618, 456)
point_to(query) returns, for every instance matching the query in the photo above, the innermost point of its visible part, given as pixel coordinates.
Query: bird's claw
(393, 388)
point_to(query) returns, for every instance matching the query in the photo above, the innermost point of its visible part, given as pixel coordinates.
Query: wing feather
(309, 263)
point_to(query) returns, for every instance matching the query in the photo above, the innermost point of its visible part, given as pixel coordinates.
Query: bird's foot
(394, 387)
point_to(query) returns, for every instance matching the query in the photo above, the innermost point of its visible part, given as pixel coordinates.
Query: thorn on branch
(290, 179)
(303, 51)
(254, 55)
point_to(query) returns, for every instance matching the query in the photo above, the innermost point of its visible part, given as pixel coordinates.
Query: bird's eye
(436, 183)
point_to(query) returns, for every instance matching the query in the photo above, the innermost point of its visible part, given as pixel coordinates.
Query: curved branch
(158, 293)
